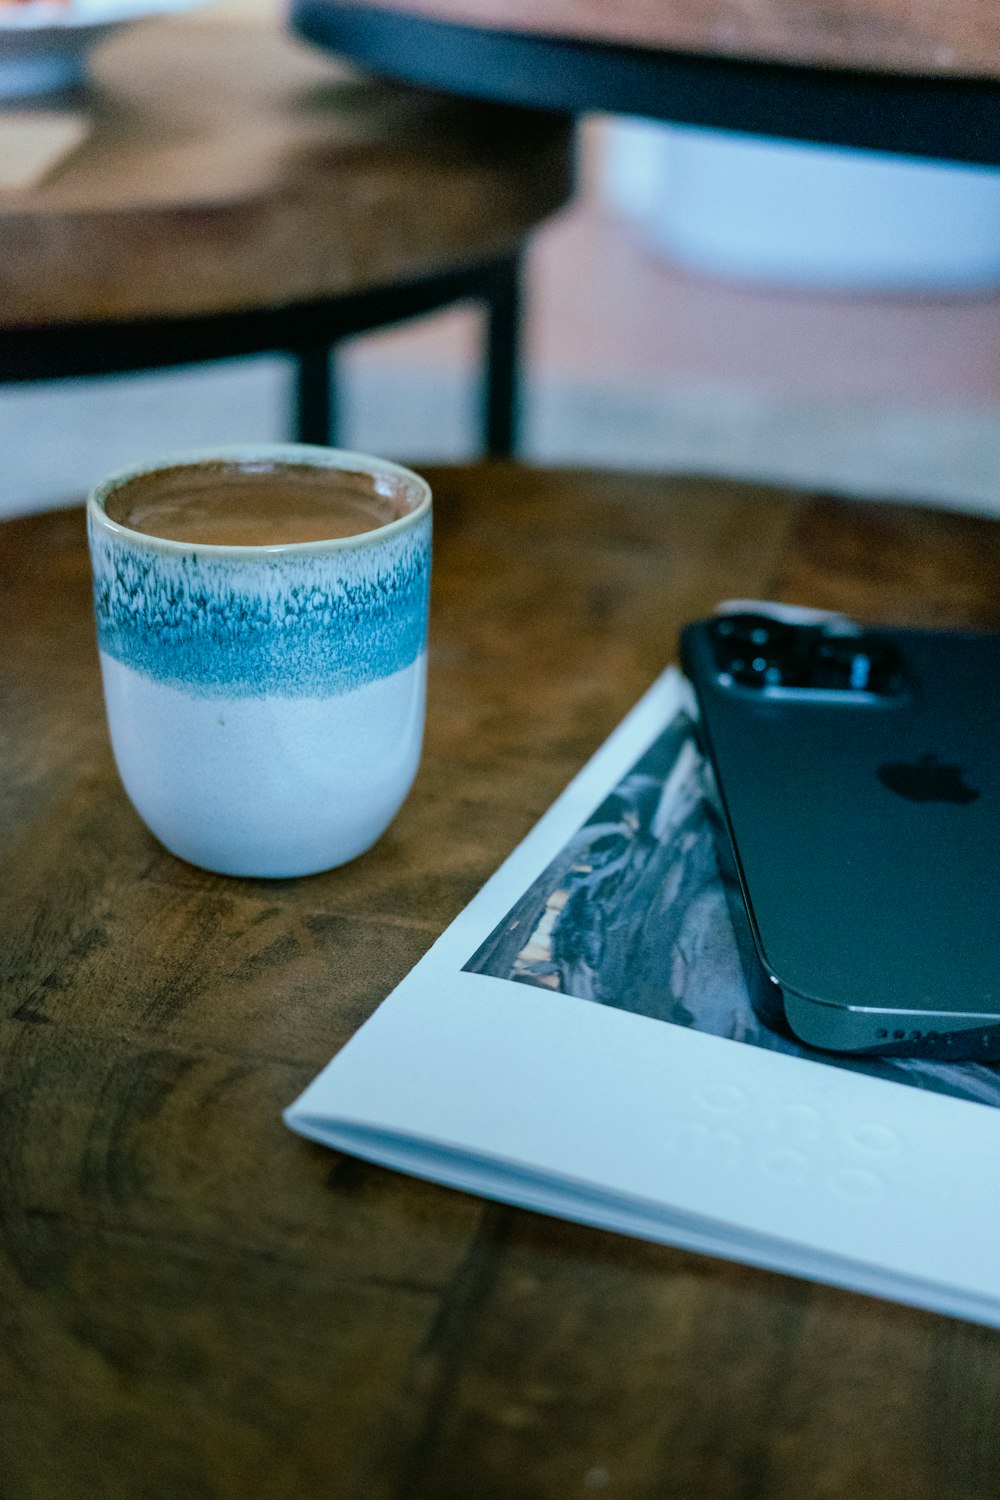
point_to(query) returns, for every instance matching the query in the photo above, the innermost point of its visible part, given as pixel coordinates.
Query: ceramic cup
(265, 703)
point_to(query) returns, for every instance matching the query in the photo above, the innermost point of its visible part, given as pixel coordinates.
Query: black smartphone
(858, 789)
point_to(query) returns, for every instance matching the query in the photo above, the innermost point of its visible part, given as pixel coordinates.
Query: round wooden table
(888, 75)
(238, 192)
(197, 1303)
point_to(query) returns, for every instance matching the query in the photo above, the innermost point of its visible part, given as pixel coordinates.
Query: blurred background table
(878, 74)
(236, 193)
(636, 354)
(197, 1303)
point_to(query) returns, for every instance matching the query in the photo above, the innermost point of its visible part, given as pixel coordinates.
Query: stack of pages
(580, 1041)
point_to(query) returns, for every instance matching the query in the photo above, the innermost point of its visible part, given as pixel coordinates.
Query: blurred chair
(239, 194)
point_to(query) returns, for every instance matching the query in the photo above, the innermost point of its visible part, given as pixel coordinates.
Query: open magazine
(580, 1041)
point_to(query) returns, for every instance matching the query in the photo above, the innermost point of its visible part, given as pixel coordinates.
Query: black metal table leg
(314, 403)
(307, 333)
(501, 382)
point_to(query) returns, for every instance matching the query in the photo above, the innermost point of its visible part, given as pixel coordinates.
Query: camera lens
(858, 664)
(753, 650)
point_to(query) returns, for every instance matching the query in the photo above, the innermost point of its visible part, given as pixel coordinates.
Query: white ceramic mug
(265, 703)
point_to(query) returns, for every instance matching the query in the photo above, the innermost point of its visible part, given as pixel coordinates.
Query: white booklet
(580, 1041)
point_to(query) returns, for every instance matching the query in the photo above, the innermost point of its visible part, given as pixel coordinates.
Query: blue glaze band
(291, 625)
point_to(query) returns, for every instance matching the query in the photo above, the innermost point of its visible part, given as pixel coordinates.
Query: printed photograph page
(581, 1041)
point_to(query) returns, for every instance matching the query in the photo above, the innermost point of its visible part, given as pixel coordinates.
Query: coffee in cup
(272, 503)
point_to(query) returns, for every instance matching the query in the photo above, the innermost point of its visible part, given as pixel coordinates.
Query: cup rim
(303, 453)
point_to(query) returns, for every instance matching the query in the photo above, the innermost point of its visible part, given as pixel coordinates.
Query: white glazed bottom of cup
(263, 787)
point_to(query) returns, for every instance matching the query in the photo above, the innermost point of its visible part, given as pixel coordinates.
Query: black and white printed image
(632, 913)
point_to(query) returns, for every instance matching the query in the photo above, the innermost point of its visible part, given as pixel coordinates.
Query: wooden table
(238, 192)
(934, 37)
(891, 75)
(197, 1304)
(229, 167)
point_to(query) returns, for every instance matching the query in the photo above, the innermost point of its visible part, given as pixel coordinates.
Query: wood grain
(229, 167)
(196, 1303)
(894, 36)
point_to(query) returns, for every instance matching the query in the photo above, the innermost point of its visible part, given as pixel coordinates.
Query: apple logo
(927, 780)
